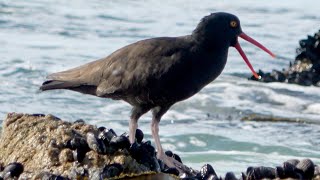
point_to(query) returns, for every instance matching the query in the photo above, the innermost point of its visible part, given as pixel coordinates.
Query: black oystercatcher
(154, 74)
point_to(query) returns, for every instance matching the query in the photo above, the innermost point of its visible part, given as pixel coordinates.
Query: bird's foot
(171, 162)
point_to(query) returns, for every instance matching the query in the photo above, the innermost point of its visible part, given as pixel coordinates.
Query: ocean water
(41, 37)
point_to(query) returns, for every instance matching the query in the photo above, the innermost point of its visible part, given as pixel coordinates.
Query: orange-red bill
(238, 47)
(249, 39)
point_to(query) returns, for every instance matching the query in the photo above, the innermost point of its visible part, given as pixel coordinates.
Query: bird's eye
(233, 24)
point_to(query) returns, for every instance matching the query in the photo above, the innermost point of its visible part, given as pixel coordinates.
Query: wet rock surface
(305, 70)
(45, 147)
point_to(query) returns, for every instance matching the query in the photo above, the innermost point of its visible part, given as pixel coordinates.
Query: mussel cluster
(10, 171)
(106, 142)
(306, 68)
(291, 169)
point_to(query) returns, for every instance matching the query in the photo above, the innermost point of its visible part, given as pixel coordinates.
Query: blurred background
(41, 37)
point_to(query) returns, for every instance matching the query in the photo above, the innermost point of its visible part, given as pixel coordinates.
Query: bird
(156, 73)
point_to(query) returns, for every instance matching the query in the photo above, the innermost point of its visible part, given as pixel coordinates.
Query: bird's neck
(208, 62)
(210, 43)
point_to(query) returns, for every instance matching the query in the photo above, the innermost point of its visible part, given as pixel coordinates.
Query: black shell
(111, 170)
(169, 153)
(260, 173)
(1, 167)
(174, 171)
(243, 176)
(279, 172)
(230, 176)
(79, 121)
(177, 157)
(289, 170)
(144, 153)
(101, 128)
(12, 170)
(107, 135)
(77, 142)
(120, 142)
(79, 155)
(293, 161)
(139, 135)
(206, 171)
(95, 144)
(306, 168)
(38, 115)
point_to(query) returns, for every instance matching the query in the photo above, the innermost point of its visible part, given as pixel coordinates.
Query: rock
(12, 170)
(305, 69)
(45, 144)
(46, 147)
(306, 168)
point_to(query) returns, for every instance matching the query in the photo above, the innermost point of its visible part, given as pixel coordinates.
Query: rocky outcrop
(47, 146)
(44, 147)
(305, 70)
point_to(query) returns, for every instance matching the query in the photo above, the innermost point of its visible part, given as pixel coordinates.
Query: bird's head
(221, 30)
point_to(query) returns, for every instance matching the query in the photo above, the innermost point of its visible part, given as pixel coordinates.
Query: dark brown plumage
(154, 74)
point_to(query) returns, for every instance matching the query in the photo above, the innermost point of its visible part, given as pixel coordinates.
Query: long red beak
(238, 47)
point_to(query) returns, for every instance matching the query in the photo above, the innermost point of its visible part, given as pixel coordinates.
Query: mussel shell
(79, 155)
(12, 170)
(101, 128)
(135, 150)
(243, 176)
(111, 170)
(230, 176)
(206, 171)
(1, 167)
(169, 153)
(172, 170)
(38, 115)
(306, 168)
(107, 135)
(144, 153)
(249, 169)
(120, 142)
(268, 172)
(289, 170)
(139, 136)
(294, 162)
(77, 142)
(95, 144)
(279, 172)
(260, 173)
(154, 164)
(177, 157)
(79, 121)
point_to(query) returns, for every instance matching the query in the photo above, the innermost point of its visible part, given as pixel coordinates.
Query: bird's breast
(187, 79)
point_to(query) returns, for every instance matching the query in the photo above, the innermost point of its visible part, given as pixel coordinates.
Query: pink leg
(133, 125)
(136, 113)
(169, 161)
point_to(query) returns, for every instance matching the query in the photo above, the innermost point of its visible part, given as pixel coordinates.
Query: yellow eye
(233, 24)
